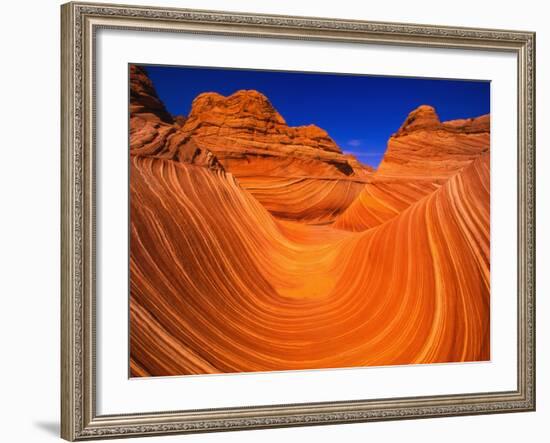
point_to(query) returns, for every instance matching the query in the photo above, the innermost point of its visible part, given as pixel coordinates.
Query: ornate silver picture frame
(80, 23)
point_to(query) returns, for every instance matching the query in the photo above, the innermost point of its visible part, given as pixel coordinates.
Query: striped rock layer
(236, 270)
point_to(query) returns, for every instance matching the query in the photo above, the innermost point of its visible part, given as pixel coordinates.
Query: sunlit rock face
(421, 156)
(250, 137)
(297, 261)
(425, 147)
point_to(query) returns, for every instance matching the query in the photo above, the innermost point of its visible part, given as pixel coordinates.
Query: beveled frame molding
(79, 22)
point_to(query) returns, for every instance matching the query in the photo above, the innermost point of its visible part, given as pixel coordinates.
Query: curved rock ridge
(304, 199)
(381, 200)
(235, 290)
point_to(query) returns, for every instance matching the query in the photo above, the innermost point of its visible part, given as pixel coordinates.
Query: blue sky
(359, 112)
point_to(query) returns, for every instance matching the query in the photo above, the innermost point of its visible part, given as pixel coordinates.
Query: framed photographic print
(282, 221)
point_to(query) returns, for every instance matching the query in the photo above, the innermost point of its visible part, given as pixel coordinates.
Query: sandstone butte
(255, 246)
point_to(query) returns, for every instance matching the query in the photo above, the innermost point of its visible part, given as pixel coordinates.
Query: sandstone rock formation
(296, 172)
(154, 132)
(219, 285)
(420, 157)
(255, 246)
(251, 138)
(425, 147)
(144, 102)
(423, 117)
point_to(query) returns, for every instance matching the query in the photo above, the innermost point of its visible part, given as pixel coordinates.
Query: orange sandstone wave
(306, 199)
(256, 246)
(220, 285)
(383, 200)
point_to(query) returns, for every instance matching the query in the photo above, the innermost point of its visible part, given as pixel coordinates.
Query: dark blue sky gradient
(359, 112)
